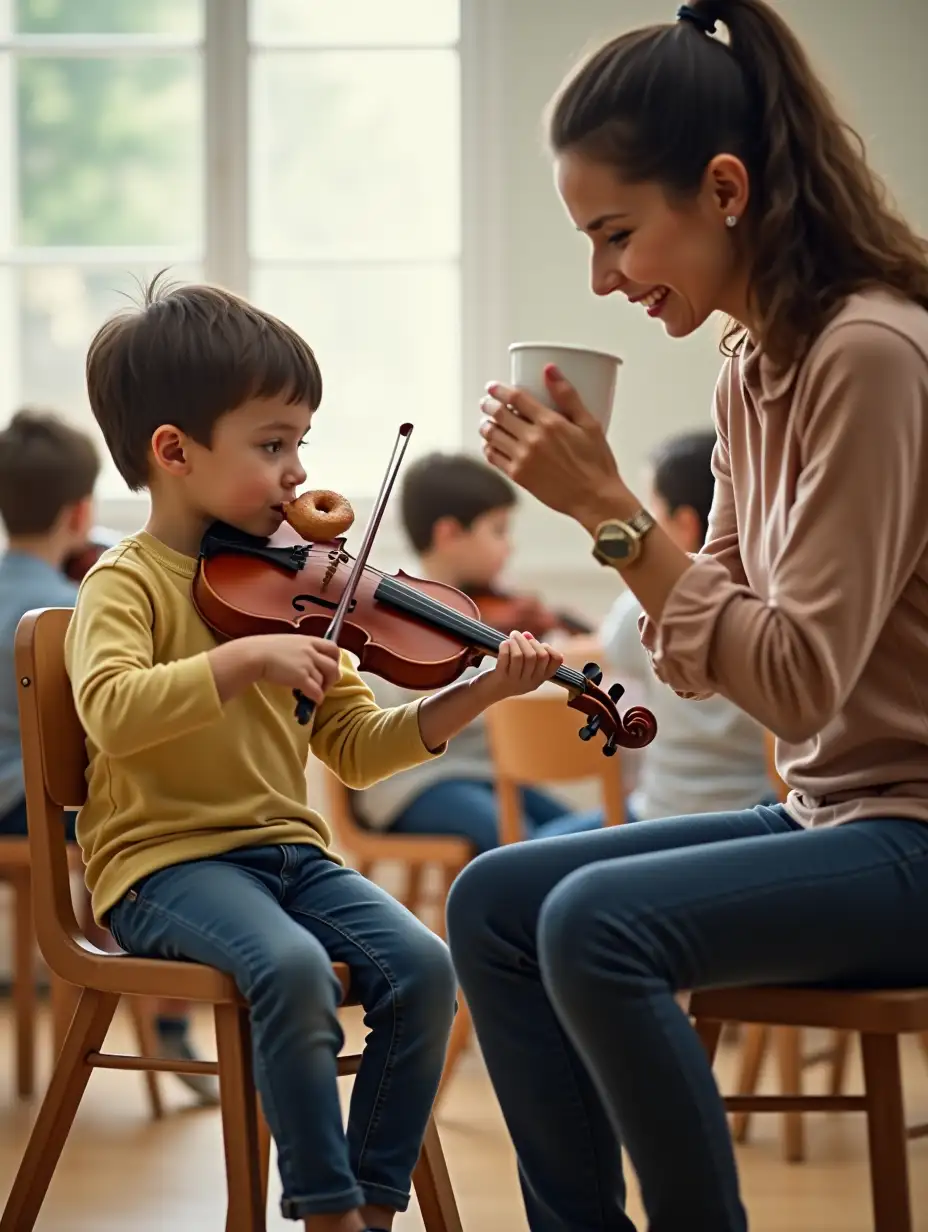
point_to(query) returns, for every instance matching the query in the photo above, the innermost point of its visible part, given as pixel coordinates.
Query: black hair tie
(701, 20)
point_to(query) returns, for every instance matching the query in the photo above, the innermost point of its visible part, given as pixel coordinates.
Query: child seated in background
(47, 475)
(456, 514)
(708, 756)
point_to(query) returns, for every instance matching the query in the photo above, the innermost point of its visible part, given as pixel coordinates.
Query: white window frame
(224, 258)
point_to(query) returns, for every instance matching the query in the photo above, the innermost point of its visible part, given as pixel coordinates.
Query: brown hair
(45, 465)
(187, 356)
(659, 103)
(449, 485)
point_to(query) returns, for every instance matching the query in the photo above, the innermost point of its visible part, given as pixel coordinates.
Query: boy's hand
(521, 666)
(310, 664)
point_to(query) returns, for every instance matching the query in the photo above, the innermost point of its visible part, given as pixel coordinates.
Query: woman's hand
(561, 456)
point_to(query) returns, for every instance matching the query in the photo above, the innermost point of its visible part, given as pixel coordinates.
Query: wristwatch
(617, 543)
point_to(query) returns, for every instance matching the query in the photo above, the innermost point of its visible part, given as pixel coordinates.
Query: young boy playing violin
(201, 843)
(48, 471)
(457, 514)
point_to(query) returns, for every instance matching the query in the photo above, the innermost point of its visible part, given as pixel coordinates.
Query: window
(304, 154)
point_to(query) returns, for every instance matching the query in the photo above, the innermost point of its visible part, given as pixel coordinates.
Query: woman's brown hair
(660, 103)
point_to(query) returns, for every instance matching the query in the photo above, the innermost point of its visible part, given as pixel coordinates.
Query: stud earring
(731, 220)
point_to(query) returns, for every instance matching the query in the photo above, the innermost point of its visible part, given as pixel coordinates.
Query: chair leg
(886, 1134)
(24, 997)
(412, 895)
(839, 1059)
(65, 999)
(753, 1052)
(789, 1057)
(140, 1010)
(437, 1203)
(460, 1037)
(710, 1033)
(246, 1212)
(264, 1153)
(59, 1108)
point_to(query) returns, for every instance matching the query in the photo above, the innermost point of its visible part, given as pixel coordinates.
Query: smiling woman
(806, 608)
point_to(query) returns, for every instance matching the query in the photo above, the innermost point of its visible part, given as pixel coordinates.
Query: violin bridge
(336, 558)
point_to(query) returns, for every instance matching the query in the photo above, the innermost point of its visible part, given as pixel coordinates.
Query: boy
(708, 756)
(456, 513)
(47, 475)
(201, 843)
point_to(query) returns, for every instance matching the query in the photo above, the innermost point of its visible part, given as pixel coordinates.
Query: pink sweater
(808, 606)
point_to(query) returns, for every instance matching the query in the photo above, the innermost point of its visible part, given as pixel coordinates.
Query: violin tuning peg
(593, 673)
(610, 748)
(616, 691)
(591, 728)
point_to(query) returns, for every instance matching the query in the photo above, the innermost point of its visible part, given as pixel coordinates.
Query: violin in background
(506, 611)
(80, 562)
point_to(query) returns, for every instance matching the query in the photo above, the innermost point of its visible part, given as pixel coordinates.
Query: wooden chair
(414, 854)
(16, 871)
(54, 762)
(534, 740)
(879, 1018)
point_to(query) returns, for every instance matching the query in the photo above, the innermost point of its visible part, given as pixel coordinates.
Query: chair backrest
(770, 742)
(534, 739)
(54, 765)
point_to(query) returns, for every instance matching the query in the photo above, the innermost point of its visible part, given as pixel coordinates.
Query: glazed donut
(319, 516)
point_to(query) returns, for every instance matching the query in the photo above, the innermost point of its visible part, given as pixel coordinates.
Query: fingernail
(553, 373)
(492, 388)
(528, 637)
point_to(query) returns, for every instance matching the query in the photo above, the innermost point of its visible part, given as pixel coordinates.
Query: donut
(319, 516)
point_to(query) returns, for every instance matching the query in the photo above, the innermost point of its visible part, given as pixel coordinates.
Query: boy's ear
(446, 531)
(170, 449)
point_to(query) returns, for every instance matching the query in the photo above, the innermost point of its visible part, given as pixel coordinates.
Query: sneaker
(174, 1045)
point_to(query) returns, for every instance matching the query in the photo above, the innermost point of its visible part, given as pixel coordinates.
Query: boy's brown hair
(454, 485)
(45, 465)
(187, 356)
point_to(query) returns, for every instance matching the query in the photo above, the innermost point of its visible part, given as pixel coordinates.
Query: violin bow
(304, 705)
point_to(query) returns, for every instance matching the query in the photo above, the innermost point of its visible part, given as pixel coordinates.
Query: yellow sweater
(176, 775)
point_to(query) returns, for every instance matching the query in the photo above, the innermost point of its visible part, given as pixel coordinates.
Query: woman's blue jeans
(569, 953)
(275, 918)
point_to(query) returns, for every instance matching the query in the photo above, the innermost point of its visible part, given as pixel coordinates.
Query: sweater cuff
(680, 643)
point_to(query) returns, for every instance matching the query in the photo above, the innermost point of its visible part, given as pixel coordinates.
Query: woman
(712, 177)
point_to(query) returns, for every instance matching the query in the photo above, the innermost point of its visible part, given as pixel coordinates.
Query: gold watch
(617, 542)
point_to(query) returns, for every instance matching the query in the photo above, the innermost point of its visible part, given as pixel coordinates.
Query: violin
(415, 633)
(82, 561)
(503, 610)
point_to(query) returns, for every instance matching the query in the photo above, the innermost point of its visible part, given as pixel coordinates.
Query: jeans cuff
(383, 1195)
(327, 1204)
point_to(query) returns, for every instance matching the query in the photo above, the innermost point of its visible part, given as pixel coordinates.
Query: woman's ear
(729, 184)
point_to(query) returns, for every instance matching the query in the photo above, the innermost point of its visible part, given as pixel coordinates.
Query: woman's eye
(620, 237)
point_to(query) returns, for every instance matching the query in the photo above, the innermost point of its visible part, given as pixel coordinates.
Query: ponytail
(818, 221)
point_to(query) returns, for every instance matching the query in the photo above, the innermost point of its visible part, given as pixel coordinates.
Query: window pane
(109, 150)
(183, 18)
(387, 343)
(348, 162)
(60, 308)
(357, 22)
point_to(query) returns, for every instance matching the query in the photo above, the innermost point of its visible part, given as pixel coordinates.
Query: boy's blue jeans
(569, 953)
(275, 918)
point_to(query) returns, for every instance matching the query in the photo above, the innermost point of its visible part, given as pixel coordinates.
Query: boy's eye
(273, 446)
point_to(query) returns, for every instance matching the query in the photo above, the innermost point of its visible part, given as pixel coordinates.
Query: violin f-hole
(299, 602)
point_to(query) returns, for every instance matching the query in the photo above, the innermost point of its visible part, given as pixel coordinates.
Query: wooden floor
(121, 1171)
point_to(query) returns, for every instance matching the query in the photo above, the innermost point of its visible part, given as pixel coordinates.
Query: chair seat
(877, 1012)
(157, 977)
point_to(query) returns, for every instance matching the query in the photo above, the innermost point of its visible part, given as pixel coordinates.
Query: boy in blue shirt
(47, 475)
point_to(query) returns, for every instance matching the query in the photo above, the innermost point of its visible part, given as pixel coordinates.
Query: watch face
(615, 546)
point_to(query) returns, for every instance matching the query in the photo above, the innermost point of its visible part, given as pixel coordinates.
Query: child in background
(47, 475)
(709, 756)
(201, 843)
(456, 514)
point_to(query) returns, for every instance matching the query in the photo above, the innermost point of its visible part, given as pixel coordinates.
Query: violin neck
(471, 632)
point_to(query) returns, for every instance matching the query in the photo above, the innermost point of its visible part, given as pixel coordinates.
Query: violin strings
(419, 604)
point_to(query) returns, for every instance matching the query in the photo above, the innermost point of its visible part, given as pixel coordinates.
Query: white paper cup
(592, 373)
